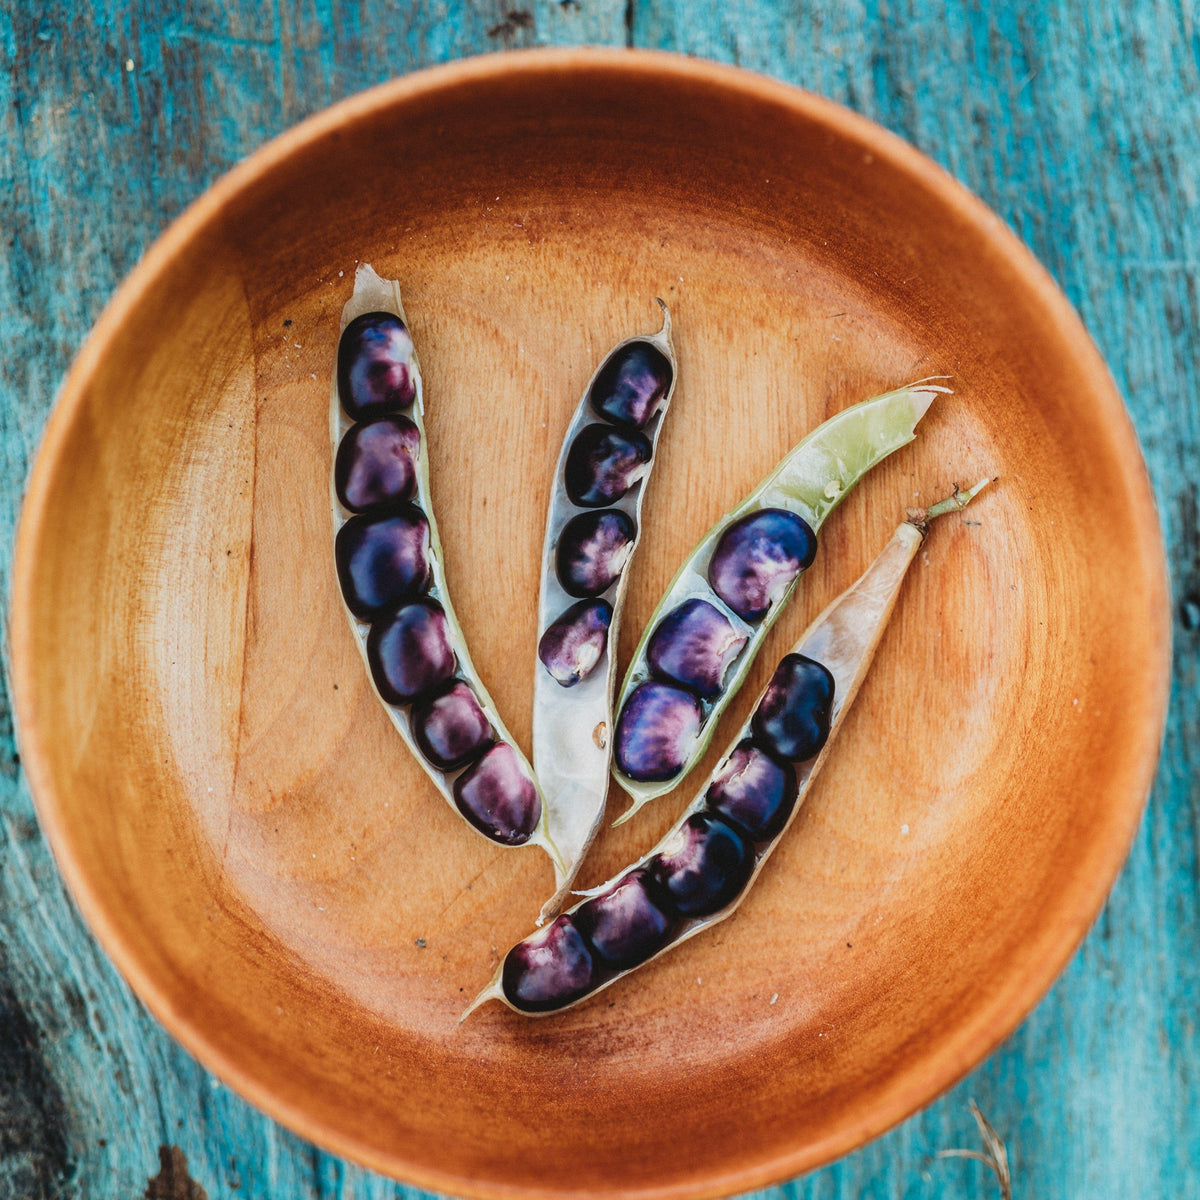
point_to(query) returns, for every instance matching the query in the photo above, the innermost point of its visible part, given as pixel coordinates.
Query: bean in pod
(592, 530)
(389, 567)
(703, 868)
(706, 631)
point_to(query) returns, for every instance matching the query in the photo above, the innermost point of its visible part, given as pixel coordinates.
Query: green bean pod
(392, 578)
(700, 642)
(702, 869)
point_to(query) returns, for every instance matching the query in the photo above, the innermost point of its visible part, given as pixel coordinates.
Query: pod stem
(665, 331)
(955, 502)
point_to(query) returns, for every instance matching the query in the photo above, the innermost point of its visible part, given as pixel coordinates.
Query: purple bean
(792, 719)
(574, 643)
(603, 464)
(375, 370)
(592, 551)
(694, 645)
(382, 561)
(548, 969)
(753, 791)
(656, 730)
(631, 386)
(703, 866)
(498, 797)
(376, 463)
(450, 727)
(410, 652)
(758, 557)
(624, 925)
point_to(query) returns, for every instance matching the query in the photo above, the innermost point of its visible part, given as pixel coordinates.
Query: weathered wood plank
(1077, 122)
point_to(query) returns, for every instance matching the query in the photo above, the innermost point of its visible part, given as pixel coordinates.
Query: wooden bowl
(238, 820)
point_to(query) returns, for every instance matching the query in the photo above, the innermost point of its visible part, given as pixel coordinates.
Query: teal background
(1078, 122)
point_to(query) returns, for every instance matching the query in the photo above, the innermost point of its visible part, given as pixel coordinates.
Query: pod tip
(487, 994)
(665, 331)
(365, 275)
(923, 393)
(626, 814)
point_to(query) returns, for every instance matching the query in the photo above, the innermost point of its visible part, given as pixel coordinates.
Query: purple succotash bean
(630, 387)
(450, 727)
(374, 368)
(593, 549)
(694, 645)
(603, 464)
(757, 559)
(625, 926)
(376, 463)
(548, 969)
(753, 791)
(574, 643)
(792, 719)
(703, 866)
(409, 652)
(382, 561)
(656, 730)
(497, 796)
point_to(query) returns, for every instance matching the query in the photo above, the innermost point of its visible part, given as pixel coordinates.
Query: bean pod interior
(389, 569)
(705, 633)
(592, 530)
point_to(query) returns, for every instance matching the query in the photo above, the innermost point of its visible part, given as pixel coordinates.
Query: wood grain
(1077, 124)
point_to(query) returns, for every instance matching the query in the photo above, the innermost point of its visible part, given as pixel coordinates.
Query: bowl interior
(241, 824)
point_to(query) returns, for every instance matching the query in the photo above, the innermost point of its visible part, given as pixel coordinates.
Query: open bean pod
(704, 866)
(389, 565)
(592, 529)
(707, 629)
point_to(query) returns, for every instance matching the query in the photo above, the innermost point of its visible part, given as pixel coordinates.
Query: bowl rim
(1009, 1006)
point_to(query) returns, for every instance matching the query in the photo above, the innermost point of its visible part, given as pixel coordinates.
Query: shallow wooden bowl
(238, 820)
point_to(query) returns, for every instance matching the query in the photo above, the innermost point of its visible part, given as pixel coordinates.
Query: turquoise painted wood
(1078, 121)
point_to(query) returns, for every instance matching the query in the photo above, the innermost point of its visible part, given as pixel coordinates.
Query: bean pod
(704, 866)
(592, 530)
(389, 567)
(706, 631)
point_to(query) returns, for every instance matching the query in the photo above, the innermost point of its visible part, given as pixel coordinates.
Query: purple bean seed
(450, 727)
(656, 731)
(703, 866)
(410, 652)
(376, 463)
(603, 464)
(630, 387)
(548, 969)
(498, 797)
(382, 561)
(757, 559)
(624, 925)
(792, 719)
(694, 645)
(753, 791)
(375, 370)
(574, 643)
(592, 551)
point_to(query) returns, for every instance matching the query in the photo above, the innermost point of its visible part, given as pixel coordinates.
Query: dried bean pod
(607, 463)
(704, 866)
(748, 563)
(405, 628)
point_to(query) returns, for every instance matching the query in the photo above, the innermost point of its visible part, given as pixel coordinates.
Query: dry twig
(994, 1154)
